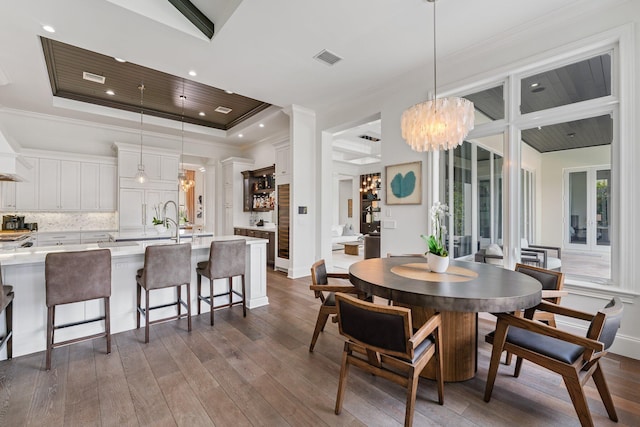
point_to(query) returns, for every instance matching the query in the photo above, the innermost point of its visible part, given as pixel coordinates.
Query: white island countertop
(136, 236)
(37, 254)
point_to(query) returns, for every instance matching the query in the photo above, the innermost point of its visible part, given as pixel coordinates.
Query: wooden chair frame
(396, 366)
(319, 289)
(575, 375)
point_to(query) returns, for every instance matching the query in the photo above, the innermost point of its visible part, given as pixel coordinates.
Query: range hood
(11, 164)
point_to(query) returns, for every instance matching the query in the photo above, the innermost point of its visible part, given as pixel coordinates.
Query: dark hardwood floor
(258, 371)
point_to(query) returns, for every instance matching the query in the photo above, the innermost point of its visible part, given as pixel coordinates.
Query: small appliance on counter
(13, 222)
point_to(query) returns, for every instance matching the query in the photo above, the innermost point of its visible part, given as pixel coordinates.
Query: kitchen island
(24, 269)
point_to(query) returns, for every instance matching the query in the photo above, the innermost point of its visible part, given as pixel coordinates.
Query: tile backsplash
(70, 221)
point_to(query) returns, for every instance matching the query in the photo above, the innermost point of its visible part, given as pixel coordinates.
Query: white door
(588, 208)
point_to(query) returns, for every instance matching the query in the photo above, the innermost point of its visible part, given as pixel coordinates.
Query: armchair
(574, 357)
(319, 285)
(381, 341)
(542, 252)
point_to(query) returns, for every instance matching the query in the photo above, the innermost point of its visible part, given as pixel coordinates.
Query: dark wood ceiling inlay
(66, 64)
(571, 135)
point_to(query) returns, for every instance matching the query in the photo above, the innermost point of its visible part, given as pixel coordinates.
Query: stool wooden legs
(210, 299)
(51, 327)
(145, 311)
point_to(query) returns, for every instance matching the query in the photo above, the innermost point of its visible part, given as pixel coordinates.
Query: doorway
(587, 216)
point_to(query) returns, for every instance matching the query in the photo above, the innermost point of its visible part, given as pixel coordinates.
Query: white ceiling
(261, 49)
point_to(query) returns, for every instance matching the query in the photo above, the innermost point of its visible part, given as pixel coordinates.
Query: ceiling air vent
(93, 77)
(327, 57)
(223, 110)
(369, 138)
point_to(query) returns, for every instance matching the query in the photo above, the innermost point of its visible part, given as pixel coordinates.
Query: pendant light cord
(435, 71)
(141, 87)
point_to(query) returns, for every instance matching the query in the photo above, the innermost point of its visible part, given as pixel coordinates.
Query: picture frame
(403, 184)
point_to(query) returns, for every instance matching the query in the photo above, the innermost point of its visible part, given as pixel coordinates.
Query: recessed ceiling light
(119, 59)
(539, 127)
(193, 73)
(110, 92)
(230, 92)
(201, 114)
(571, 134)
(261, 125)
(48, 28)
(240, 135)
(535, 84)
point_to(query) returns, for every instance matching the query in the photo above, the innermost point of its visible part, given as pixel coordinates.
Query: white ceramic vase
(160, 228)
(437, 263)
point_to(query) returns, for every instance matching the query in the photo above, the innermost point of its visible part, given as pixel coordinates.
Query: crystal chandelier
(185, 182)
(141, 177)
(437, 124)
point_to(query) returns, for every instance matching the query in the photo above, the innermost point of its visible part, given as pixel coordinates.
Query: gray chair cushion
(543, 344)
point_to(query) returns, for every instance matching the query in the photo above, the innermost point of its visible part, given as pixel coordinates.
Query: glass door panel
(578, 208)
(603, 207)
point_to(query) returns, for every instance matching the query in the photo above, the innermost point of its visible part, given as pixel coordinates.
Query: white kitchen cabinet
(94, 236)
(156, 166)
(8, 196)
(98, 187)
(58, 184)
(169, 168)
(283, 161)
(138, 207)
(57, 239)
(21, 195)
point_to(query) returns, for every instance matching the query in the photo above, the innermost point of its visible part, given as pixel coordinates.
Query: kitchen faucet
(175, 222)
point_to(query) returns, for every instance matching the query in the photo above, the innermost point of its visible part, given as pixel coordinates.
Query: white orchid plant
(435, 241)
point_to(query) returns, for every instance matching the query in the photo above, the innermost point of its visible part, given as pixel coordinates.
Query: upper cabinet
(98, 187)
(259, 190)
(22, 195)
(283, 161)
(53, 182)
(59, 185)
(159, 166)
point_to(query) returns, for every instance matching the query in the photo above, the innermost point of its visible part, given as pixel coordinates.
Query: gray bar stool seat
(164, 266)
(75, 277)
(6, 307)
(227, 259)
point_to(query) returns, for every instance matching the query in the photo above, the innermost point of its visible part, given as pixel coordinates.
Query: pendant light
(437, 124)
(141, 176)
(185, 182)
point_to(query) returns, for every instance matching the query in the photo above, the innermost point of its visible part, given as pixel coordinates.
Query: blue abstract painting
(403, 185)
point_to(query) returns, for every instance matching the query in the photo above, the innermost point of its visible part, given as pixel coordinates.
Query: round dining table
(458, 294)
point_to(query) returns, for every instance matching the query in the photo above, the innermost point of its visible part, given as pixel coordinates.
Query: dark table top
(485, 287)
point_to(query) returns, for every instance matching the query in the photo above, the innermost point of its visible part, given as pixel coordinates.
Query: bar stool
(75, 277)
(164, 266)
(6, 306)
(226, 261)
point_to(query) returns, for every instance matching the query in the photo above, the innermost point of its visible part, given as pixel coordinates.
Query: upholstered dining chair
(575, 357)
(6, 307)
(325, 291)
(552, 283)
(381, 341)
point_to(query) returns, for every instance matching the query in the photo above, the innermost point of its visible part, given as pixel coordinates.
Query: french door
(587, 219)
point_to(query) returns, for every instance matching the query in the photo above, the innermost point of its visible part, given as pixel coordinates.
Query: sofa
(343, 233)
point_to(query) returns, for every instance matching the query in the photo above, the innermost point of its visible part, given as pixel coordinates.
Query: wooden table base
(459, 343)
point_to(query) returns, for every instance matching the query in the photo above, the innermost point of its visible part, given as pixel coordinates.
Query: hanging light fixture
(437, 124)
(185, 182)
(141, 177)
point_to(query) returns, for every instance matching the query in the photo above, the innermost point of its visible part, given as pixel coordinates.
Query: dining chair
(320, 285)
(552, 283)
(576, 358)
(381, 341)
